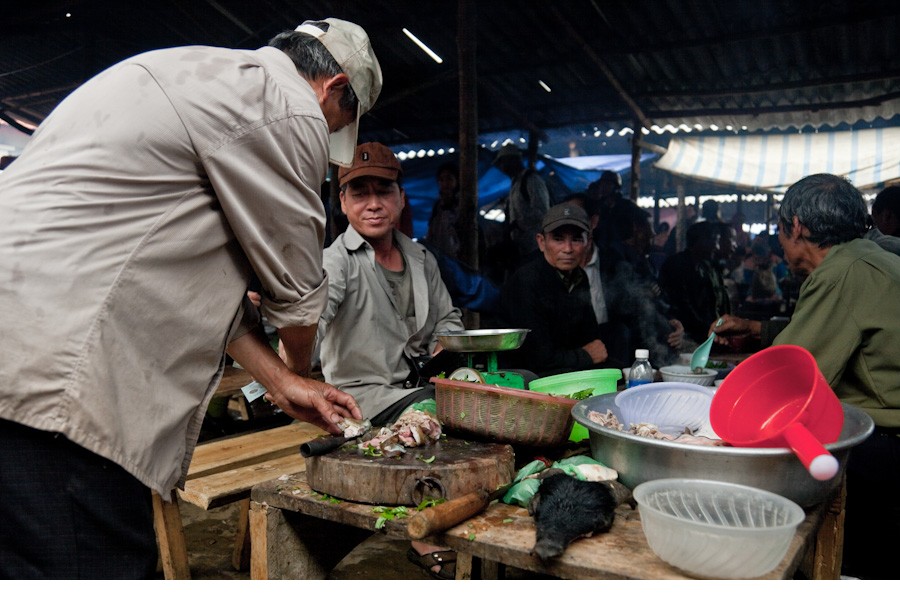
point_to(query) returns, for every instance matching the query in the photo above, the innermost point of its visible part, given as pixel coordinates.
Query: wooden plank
(225, 487)
(249, 448)
(232, 381)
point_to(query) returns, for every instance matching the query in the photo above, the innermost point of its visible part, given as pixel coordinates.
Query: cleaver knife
(327, 443)
(445, 515)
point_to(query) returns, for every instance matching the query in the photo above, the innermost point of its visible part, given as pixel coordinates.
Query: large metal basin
(778, 470)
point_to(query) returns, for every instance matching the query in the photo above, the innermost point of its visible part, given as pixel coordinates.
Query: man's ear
(334, 85)
(540, 241)
(798, 230)
(341, 195)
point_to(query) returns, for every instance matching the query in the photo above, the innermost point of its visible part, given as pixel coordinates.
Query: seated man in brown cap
(386, 301)
(386, 298)
(551, 296)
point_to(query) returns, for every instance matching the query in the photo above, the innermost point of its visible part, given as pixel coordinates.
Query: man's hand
(313, 401)
(677, 336)
(305, 399)
(597, 351)
(732, 326)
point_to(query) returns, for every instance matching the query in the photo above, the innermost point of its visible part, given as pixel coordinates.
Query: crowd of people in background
(645, 290)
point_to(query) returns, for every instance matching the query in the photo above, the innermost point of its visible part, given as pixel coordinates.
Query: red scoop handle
(817, 460)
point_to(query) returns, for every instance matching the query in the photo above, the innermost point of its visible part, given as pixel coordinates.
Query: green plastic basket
(599, 381)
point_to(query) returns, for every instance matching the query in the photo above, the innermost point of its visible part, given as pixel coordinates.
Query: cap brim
(342, 143)
(382, 172)
(564, 222)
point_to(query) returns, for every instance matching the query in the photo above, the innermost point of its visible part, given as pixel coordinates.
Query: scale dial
(467, 374)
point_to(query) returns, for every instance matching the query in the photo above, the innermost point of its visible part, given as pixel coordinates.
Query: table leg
(240, 554)
(170, 538)
(289, 545)
(823, 558)
(830, 539)
(464, 565)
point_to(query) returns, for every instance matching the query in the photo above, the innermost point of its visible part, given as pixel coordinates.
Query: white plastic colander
(671, 406)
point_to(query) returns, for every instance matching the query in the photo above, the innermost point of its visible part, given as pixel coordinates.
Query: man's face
(372, 206)
(791, 252)
(727, 243)
(887, 222)
(336, 115)
(564, 247)
(447, 184)
(510, 166)
(643, 236)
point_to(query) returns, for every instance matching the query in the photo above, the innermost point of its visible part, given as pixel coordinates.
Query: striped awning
(868, 158)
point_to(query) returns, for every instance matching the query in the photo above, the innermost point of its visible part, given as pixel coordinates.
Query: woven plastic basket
(503, 414)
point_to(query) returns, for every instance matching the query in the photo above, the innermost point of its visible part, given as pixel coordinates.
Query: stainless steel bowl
(482, 340)
(778, 470)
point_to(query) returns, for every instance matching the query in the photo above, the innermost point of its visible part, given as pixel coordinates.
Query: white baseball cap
(351, 49)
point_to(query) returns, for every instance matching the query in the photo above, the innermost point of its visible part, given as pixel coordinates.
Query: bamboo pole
(468, 141)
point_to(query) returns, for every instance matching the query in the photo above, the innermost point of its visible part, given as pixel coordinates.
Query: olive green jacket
(848, 317)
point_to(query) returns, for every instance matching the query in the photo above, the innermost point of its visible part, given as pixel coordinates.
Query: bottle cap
(642, 353)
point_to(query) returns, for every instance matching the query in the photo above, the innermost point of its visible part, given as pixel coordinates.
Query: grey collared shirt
(363, 332)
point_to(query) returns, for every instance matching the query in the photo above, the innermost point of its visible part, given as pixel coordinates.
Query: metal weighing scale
(475, 342)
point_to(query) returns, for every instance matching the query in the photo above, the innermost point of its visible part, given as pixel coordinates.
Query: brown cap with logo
(565, 214)
(372, 159)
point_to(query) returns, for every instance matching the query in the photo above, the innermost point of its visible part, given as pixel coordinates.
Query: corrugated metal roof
(759, 64)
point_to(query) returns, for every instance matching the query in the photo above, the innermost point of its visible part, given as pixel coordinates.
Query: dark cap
(372, 159)
(565, 214)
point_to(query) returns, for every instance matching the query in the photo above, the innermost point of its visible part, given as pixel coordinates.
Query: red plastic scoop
(779, 398)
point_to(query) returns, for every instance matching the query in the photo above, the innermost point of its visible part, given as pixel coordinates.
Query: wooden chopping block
(447, 469)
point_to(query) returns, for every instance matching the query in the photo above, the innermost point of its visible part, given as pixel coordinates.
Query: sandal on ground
(445, 559)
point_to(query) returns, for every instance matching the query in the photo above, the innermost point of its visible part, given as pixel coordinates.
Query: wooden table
(298, 533)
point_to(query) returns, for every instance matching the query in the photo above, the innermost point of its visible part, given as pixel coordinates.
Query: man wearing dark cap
(526, 205)
(606, 194)
(551, 296)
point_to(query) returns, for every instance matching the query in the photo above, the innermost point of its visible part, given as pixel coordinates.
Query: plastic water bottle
(641, 371)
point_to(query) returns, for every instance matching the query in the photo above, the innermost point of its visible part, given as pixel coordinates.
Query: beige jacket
(129, 229)
(363, 335)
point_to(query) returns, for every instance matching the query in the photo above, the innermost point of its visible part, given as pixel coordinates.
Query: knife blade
(445, 515)
(327, 443)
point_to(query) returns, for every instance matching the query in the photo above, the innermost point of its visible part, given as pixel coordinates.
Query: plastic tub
(598, 381)
(716, 529)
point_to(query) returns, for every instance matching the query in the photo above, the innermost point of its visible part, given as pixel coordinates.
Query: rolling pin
(445, 515)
